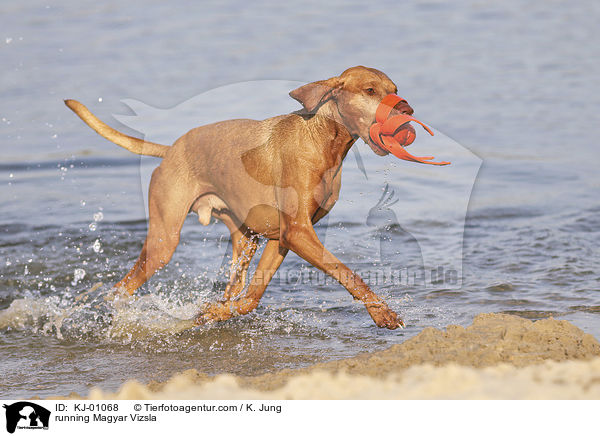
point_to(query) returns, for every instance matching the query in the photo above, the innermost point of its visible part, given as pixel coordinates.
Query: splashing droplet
(97, 246)
(78, 275)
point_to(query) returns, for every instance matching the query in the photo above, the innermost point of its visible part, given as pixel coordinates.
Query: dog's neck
(335, 137)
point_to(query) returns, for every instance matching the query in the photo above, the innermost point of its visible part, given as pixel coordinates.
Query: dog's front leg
(243, 249)
(268, 264)
(298, 235)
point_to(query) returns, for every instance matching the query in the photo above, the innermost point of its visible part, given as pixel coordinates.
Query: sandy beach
(497, 357)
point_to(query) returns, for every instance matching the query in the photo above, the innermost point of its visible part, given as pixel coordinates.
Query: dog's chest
(328, 191)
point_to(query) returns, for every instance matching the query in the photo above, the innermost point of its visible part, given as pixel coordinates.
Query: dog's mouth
(392, 133)
(376, 148)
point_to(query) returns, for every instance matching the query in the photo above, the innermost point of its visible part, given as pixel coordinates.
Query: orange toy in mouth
(394, 133)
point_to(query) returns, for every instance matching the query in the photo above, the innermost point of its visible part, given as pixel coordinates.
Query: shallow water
(517, 87)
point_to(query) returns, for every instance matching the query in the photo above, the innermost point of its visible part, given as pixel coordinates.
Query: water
(516, 86)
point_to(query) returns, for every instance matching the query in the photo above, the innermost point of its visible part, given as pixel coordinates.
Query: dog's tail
(135, 145)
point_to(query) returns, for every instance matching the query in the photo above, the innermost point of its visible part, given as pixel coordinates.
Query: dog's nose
(404, 108)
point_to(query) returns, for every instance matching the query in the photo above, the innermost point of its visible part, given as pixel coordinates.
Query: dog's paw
(117, 295)
(213, 312)
(384, 316)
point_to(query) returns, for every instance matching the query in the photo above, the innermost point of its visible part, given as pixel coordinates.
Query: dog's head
(356, 94)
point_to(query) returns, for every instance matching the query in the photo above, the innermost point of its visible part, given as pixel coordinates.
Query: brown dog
(273, 178)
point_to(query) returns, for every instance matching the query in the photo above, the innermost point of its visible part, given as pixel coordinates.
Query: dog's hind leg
(270, 260)
(168, 204)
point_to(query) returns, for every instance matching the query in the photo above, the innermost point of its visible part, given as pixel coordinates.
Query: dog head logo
(26, 415)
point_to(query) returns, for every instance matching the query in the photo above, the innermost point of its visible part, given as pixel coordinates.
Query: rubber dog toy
(394, 133)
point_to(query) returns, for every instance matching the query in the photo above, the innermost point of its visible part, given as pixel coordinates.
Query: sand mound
(433, 364)
(550, 380)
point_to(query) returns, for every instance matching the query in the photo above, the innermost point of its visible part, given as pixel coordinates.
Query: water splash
(92, 315)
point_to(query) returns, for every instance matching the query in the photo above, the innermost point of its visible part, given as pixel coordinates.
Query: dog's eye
(370, 91)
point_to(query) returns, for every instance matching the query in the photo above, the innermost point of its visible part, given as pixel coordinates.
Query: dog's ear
(314, 94)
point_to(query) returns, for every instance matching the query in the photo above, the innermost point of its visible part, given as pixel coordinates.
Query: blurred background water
(515, 84)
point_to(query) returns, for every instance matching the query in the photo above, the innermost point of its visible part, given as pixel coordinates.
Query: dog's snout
(404, 108)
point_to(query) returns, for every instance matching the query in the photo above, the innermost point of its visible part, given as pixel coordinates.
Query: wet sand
(497, 357)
